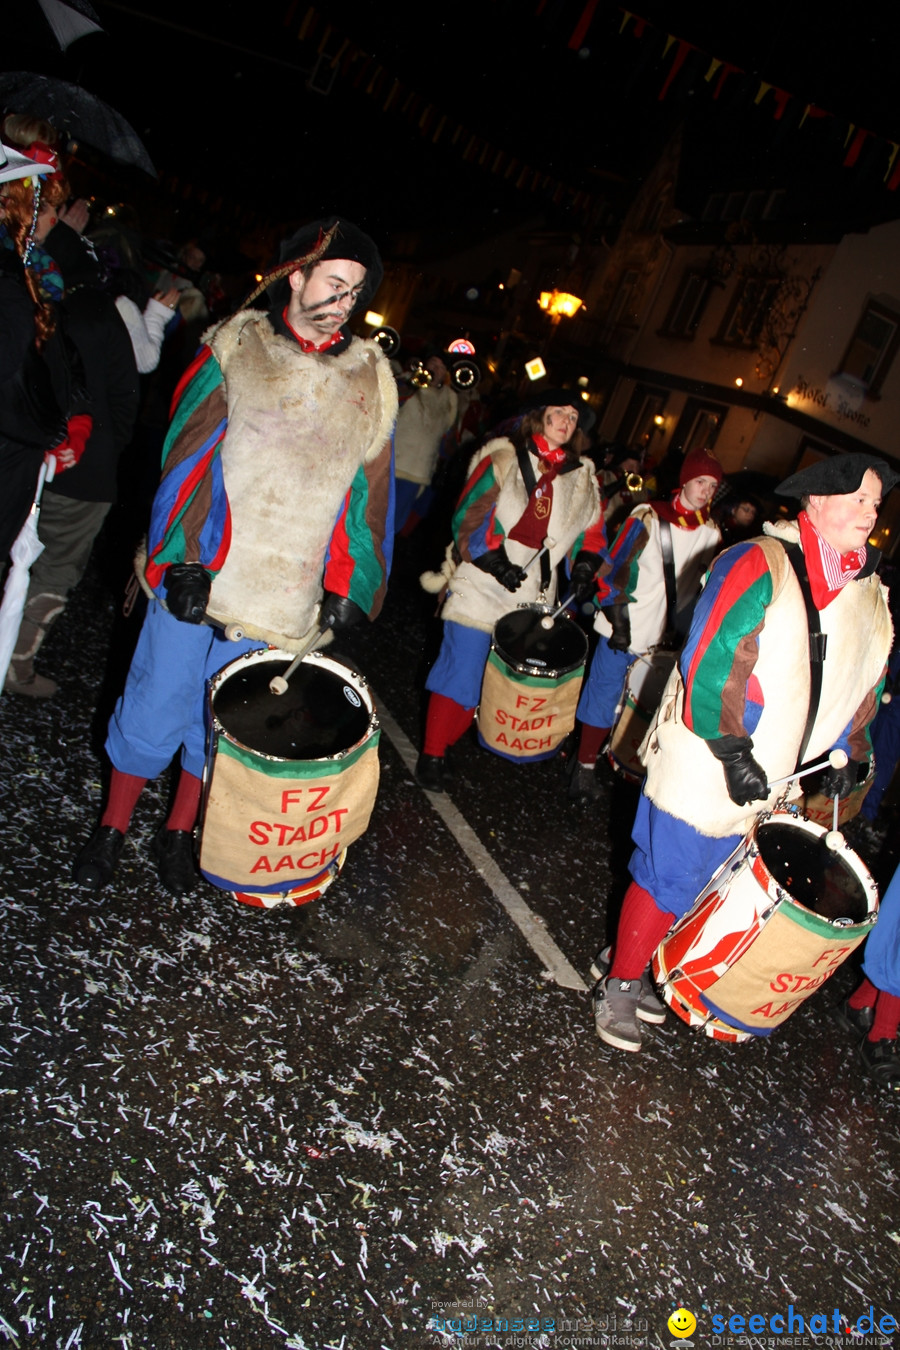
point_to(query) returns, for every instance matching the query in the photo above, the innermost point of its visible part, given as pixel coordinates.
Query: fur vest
(687, 781)
(475, 598)
(692, 552)
(300, 425)
(421, 424)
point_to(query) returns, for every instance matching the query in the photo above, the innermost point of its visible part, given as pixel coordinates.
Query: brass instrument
(465, 374)
(629, 482)
(388, 340)
(420, 376)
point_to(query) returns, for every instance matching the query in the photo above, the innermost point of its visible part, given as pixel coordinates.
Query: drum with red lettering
(644, 685)
(531, 684)
(290, 779)
(778, 919)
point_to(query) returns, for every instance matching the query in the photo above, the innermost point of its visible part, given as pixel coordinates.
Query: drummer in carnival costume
(734, 714)
(523, 490)
(638, 620)
(274, 513)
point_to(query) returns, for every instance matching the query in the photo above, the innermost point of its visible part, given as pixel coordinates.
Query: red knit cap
(698, 464)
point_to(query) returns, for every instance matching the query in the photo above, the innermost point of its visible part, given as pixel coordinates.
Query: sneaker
(650, 1008)
(855, 1021)
(583, 784)
(430, 773)
(881, 1062)
(615, 1013)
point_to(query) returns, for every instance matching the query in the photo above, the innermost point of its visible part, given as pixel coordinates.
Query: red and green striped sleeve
(625, 555)
(475, 527)
(190, 520)
(358, 561)
(721, 694)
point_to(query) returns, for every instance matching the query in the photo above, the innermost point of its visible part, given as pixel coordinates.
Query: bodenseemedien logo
(682, 1323)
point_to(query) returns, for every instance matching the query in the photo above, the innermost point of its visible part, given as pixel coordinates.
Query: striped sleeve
(625, 556)
(190, 519)
(721, 694)
(475, 527)
(360, 551)
(856, 739)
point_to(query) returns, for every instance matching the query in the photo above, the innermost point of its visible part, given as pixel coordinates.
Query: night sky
(219, 93)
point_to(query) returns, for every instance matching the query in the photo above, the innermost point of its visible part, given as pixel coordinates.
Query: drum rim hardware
(534, 667)
(257, 657)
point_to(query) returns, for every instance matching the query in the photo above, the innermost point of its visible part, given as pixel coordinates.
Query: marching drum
(774, 924)
(531, 684)
(290, 780)
(641, 695)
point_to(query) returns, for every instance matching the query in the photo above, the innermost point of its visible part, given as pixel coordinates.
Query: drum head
(319, 716)
(526, 645)
(814, 875)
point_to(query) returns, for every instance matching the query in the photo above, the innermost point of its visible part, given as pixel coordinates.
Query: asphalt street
(383, 1120)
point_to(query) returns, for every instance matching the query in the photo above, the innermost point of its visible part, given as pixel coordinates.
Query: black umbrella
(70, 20)
(76, 113)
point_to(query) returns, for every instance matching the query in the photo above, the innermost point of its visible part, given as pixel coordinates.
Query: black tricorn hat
(347, 241)
(838, 475)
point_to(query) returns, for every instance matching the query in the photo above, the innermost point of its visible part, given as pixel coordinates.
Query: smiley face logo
(682, 1323)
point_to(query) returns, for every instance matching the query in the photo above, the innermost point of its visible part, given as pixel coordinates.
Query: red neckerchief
(676, 512)
(531, 528)
(305, 344)
(829, 571)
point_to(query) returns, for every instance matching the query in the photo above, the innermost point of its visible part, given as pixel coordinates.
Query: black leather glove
(497, 564)
(339, 612)
(187, 591)
(744, 778)
(583, 573)
(840, 782)
(620, 638)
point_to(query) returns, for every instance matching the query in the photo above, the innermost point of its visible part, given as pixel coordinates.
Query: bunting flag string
(856, 137)
(375, 81)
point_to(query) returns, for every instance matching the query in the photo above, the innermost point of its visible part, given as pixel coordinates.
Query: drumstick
(279, 683)
(836, 760)
(544, 548)
(550, 619)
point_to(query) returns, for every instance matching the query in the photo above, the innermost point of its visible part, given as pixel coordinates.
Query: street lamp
(559, 303)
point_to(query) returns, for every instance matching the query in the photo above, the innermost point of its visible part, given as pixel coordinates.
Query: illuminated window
(872, 347)
(749, 309)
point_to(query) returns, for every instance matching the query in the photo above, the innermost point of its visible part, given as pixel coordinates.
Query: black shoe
(430, 773)
(96, 862)
(173, 853)
(881, 1062)
(855, 1021)
(583, 785)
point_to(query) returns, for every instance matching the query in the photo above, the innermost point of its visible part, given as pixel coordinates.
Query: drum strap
(668, 562)
(817, 642)
(530, 481)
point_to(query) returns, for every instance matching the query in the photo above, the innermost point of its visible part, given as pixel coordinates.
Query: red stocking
(887, 1018)
(642, 927)
(183, 815)
(445, 723)
(592, 739)
(124, 790)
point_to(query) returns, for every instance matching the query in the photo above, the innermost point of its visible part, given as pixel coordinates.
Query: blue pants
(672, 860)
(881, 958)
(603, 687)
(886, 744)
(163, 707)
(459, 669)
